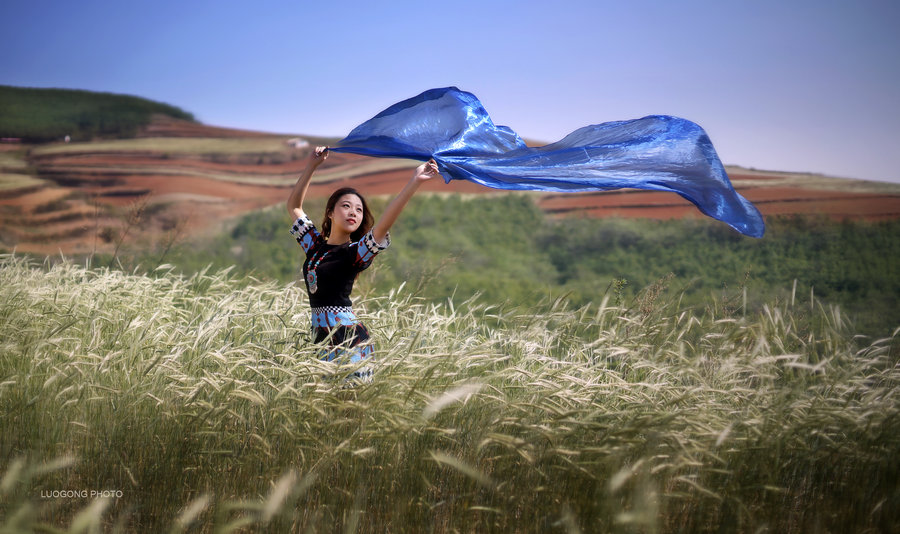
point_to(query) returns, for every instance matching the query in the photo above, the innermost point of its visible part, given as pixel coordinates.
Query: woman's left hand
(426, 171)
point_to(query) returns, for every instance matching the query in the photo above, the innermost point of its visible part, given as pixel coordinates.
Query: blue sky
(791, 85)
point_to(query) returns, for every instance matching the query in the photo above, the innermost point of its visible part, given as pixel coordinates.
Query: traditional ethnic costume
(329, 272)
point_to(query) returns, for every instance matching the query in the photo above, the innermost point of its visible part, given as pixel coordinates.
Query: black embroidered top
(335, 266)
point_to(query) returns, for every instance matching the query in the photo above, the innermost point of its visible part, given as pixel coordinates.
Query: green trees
(39, 115)
(504, 248)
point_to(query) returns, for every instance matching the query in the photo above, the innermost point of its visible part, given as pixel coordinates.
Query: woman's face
(347, 214)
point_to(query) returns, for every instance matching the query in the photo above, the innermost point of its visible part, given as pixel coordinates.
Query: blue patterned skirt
(346, 335)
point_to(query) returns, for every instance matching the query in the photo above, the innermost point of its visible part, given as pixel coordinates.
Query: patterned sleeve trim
(305, 232)
(368, 248)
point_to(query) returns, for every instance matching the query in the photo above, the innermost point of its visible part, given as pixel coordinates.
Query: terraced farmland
(81, 198)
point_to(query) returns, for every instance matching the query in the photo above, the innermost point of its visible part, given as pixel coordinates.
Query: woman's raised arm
(298, 194)
(425, 171)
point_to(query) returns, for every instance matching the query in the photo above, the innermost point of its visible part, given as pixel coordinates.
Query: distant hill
(40, 115)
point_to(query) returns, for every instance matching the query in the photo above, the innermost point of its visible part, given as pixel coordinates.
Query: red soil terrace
(87, 198)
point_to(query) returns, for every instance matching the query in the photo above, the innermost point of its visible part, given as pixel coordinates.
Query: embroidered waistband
(332, 309)
(331, 316)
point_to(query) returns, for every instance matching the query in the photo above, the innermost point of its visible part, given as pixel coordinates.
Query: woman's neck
(337, 238)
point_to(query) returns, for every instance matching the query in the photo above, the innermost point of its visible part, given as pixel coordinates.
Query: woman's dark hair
(367, 218)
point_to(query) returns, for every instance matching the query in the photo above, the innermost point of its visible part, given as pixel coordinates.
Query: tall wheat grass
(160, 403)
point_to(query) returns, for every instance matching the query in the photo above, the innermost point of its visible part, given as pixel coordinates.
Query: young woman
(346, 245)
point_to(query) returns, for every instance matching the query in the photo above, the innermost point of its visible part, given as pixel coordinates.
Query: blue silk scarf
(658, 152)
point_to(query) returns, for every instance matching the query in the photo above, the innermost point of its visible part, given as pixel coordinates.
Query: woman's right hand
(319, 155)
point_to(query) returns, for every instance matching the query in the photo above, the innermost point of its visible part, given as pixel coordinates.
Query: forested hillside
(39, 115)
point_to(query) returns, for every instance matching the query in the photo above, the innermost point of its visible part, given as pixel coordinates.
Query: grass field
(174, 145)
(12, 161)
(13, 181)
(160, 403)
(288, 178)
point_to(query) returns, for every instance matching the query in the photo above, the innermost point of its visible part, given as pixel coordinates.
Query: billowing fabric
(658, 152)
